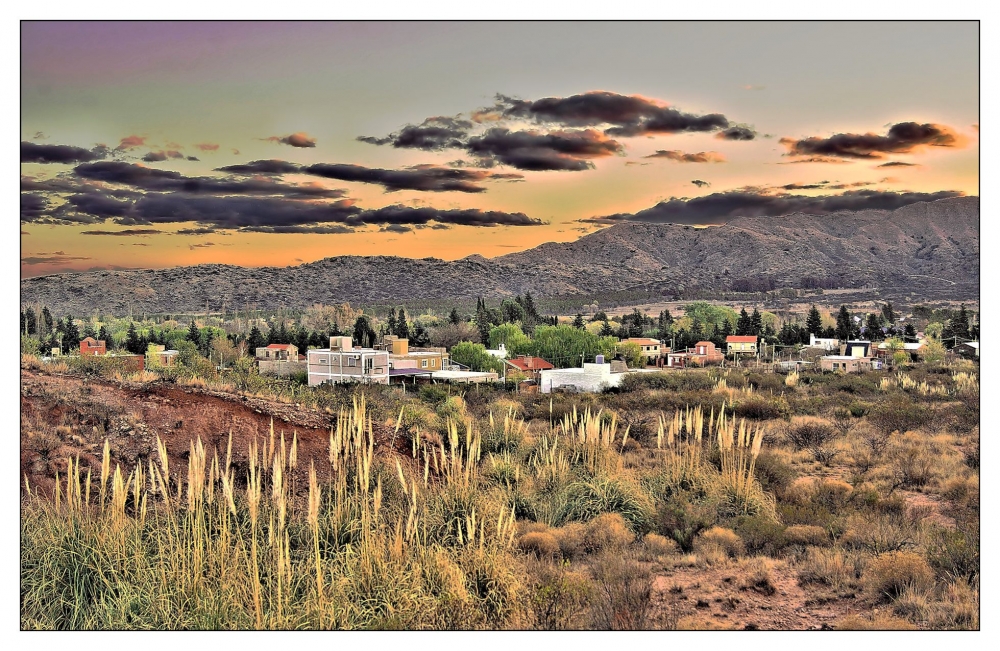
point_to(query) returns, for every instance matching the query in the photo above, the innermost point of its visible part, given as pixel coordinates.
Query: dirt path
(68, 416)
(713, 598)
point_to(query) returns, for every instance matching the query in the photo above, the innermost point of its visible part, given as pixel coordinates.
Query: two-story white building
(342, 362)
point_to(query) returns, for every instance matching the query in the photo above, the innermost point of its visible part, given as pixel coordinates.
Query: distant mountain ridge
(920, 245)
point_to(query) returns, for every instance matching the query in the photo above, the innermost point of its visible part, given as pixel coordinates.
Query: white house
(825, 344)
(500, 353)
(342, 362)
(592, 378)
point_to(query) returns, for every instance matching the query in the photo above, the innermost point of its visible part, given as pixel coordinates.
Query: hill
(923, 247)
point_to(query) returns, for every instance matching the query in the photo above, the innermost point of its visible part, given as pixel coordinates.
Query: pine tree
(391, 321)
(606, 329)
(132, 339)
(756, 324)
(282, 336)
(814, 322)
(845, 324)
(104, 335)
(47, 324)
(71, 335)
(889, 315)
(364, 334)
(30, 322)
(301, 339)
(89, 332)
(743, 324)
(402, 326)
(873, 327)
(960, 324)
(255, 340)
(578, 321)
(453, 318)
(193, 334)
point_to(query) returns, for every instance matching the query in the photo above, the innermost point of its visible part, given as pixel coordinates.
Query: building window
(423, 363)
(352, 361)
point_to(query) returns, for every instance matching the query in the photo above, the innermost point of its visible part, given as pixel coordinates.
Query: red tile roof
(280, 346)
(741, 339)
(643, 341)
(529, 363)
(704, 343)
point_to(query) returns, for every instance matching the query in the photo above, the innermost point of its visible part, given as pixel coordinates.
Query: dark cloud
(534, 151)
(41, 136)
(99, 203)
(155, 156)
(681, 157)
(897, 163)
(194, 158)
(33, 206)
(34, 153)
(737, 132)
(200, 245)
(317, 230)
(700, 183)
(261, 167)
(51, 259)
(424, 178)
(818, 159)
(156, 180)
(902, 138)
(128, 232)
(720, 207)
(207, 146)
(196, 231)
(433, 134)
(396, 228)
(631, 115)
(299, 139)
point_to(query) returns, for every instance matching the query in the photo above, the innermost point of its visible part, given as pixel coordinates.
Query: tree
(578, 321)
(402, 325)
(46, 326)
(453, 318)
(364, 334)
(511, 336)
(663, 324)
(71, 335)
(391, 321)
(255, 340)
(910, 333)
(599, 316)
(88, 331)
(606, 329)
(933, 351)
(301, 339)
(889, 315)
(132, 342)
(193, 334)
(632, 354)
(873, 327)
(512, 311)
(934, 330)
(814, 322)
(30, 322)
(844, 324)
(756, 323)
(960, 324)
(104, 335)
(743, 323)
(475, 357)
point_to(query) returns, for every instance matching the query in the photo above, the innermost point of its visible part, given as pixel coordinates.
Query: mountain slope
(925, 244)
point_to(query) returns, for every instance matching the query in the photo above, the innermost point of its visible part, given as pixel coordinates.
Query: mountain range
(927, 246)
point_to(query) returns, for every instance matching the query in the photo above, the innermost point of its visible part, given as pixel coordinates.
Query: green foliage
(475, 357)
(511, 336)
(632, 353)
(584, 500)
(710, 315)
(565, 346)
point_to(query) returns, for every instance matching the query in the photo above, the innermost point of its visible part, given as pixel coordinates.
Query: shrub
(757, 407)
(726, 540)
(954, 554)
(879, 621)
(761, 535)
(686, 381)
(831, 567)
(807, 534)
(658, 545)
(815, 437)
(899, 414)
(585, 500)
(772, 472)
(570, 539)
(623, 590)
(607, 531)
(540, 543)
(559, 596)
(682, 519)
(912, 466)
(888, 575)
(757, 577)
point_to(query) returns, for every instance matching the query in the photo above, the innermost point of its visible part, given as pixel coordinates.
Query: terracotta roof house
(91, 346)
(703, 353)
(283, 352)
(530, 365)
(741, 345)
(650, 347)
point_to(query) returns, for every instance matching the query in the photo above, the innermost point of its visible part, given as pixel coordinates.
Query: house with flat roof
(848, 363)
(342, 362)
(650, 347)
(401, 355)
(827, 344)
(91, 346)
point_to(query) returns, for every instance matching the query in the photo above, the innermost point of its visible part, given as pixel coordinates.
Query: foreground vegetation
(524, 511)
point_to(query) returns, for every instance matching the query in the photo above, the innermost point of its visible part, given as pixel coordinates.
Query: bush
(761, 535)
(757, 577)
(558, 596)
(888, 575)
(879, 621)
(898, 414)
(772, 472)
(815, 437)
(540, 543)
(682, 518)
(726, 540)
(954, 554)
(669, 380)
(807, 534)
(658, 545)
(757, 407)
(570, 539)
(607, 531)
(585, 500)
(623, 591)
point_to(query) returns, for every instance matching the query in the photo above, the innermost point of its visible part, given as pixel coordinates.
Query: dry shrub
(815, 436)
(757, 577)
(658, 545)
(559, 596)
(889, 575)
(725, 540)
(958, 608)
(607, 531)
(912, 466)
(694, 623)
(833, 493)
(878, 621)
(570, 538)
(623, 590)
(835, 568)
(528, 526)
(807, 534)
(540, 543)
(879, 533)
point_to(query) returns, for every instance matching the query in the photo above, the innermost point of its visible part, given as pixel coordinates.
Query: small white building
(592, 378)
(825, 344)
(499, 353)
(465, 377)
(342, 362)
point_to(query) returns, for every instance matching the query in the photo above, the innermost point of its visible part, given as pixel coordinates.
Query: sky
(159, 144)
